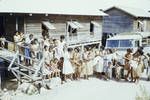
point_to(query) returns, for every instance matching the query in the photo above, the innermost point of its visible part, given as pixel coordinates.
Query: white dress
(67, 66)
(60, 49)
(45, 69)
(90, 65)
(46, 42)
(134, 64)
(16, 38)
(98, 63)
(56, 52)
(46, 56)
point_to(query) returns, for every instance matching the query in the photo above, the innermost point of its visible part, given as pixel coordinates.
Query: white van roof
(130, 35)
(144, 34)
(124, 37)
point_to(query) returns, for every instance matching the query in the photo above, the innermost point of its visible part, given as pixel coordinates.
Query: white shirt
(28, 41)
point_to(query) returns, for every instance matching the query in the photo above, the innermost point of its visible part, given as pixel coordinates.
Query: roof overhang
(134, 12)
(48, 7)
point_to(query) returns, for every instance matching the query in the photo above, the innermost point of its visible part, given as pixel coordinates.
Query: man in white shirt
(29, 39)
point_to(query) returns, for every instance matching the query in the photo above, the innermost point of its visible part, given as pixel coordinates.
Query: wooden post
(99, 46)
(82, 50)
(16, 23)
(25, 29)
(67, 35)
(0, 82)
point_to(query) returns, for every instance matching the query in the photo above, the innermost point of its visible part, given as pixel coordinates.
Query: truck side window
(144, 42)
(137, 43)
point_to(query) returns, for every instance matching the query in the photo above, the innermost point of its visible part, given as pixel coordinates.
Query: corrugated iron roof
(136, 12)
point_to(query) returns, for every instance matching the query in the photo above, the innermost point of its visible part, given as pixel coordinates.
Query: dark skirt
(27, 52)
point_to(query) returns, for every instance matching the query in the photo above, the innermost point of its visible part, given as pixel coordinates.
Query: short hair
(129, 50)
(30, 35)
(54, 40)
(45, 46)
(62, 58)
(62, 37)
(109, 62)
(77, 49)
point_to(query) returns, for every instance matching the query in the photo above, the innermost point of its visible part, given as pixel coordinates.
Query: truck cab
(131, 40)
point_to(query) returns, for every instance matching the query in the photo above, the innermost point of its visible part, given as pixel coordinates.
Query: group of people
(135, 63)
(75, 63)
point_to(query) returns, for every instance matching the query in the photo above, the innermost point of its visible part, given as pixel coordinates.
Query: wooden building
(126, 19)
(79, 25)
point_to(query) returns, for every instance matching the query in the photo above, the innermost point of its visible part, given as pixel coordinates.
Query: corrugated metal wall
(33, 26)
(117, 22)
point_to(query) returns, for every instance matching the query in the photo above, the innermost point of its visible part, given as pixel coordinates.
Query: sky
(69, 5)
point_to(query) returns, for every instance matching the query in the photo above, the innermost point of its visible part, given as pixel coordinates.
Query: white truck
(132, 40)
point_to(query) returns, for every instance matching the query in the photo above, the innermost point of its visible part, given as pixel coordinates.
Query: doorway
(2, 28)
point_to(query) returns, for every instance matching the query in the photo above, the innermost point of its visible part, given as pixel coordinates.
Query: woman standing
(90, 58)
(67, 66)
(84, 65)
(16, 40)
(127, 66)
(75, 62)
(98, 63)
(136, 64)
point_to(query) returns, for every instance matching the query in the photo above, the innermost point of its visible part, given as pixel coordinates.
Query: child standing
(55, 67)
(109, 70)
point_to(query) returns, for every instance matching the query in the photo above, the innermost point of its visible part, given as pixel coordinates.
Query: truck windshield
(119, 43)
(125, 43)
(112, 43)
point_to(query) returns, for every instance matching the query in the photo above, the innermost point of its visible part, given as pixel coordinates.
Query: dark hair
(15, 32)
(35, 39)
(77, 49)
(110, 50)
(55, 59)
(62, 58)
(109, 62)
(129, 50)
(32, 42)
(54, 40)
(23, 39)
(30, 35)
(45, 46)
(62, 37)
